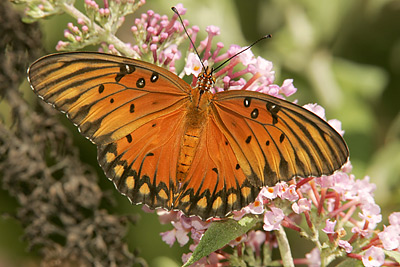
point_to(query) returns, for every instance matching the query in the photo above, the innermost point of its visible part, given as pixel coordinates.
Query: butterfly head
(205, 80)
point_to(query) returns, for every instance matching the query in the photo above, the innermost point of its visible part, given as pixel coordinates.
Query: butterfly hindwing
(276, 140)
(106, 96)
(215, 184)
(142, 165)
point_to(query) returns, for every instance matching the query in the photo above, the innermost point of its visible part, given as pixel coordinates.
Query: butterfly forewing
(276, 140)
(106, 96)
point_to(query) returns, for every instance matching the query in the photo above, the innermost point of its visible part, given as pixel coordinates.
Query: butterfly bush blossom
(336, 213)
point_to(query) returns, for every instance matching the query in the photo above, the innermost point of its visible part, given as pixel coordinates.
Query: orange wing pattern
(214, 185)
(107, 96)
(142, 165)
(275, 140)
(131, 109)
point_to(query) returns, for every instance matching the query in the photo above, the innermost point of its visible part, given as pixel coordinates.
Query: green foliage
(219, 234)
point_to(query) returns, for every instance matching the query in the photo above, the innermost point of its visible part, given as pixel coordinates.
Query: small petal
(193, 65)
(302, 205)
(273, 219)
(390, 237)
(290, 193)
(288, 88)
(337, 125)
(329, 227)
(371, 213)
(394, 218)
(268, 192)
(169, 237)
(317, 109)
(346, 245)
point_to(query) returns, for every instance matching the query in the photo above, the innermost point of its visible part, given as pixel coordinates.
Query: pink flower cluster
(157, 37)
(229, 77)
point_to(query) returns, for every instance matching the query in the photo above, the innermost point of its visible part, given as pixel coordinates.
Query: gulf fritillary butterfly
(166, 144)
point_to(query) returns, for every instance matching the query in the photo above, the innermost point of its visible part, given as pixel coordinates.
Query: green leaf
(219, 234)
(393, 254)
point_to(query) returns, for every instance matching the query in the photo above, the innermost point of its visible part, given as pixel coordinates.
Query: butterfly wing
(275, 140)
(142, 165)
(131, 109)
(214, 185)
(106, 96)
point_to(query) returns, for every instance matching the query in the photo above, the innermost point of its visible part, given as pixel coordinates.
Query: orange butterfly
(166, 144)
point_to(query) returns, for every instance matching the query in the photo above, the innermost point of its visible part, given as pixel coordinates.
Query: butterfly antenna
(262, 38)
(190, 39)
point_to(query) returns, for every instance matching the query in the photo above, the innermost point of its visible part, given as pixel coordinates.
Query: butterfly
(166, 144)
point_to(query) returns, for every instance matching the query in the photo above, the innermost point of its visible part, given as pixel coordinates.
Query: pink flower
(169, 237)
(263, 67)
(178, 233)
(361, 232)
(288, 88)
(302, 205)
(342, 182)
(290, 193)
(281, 188)
(390, 237)
(329, 227)
(193, 65)
(269, 192)
(194, 222)
(317, 109)
(166, 216)
(181, 9)
(273, 219)
(325, 181)
(371, 213)
(337, 125)
(394, 218)
(256, 207)
(346, 245)
(365, 190)
(374, 256)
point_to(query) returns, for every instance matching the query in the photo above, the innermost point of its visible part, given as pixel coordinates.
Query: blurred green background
(343, 55)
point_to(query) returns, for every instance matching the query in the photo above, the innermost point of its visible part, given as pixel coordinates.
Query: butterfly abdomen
(190, 141)
(195, 121)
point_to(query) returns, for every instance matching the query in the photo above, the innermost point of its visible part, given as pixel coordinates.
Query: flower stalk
(284, 247)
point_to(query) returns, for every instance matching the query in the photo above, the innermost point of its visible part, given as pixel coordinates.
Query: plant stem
(106, 36)
(284, 247)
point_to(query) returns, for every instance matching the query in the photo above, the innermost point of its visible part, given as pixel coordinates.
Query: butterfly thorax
(205, 80)
(195, 122)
